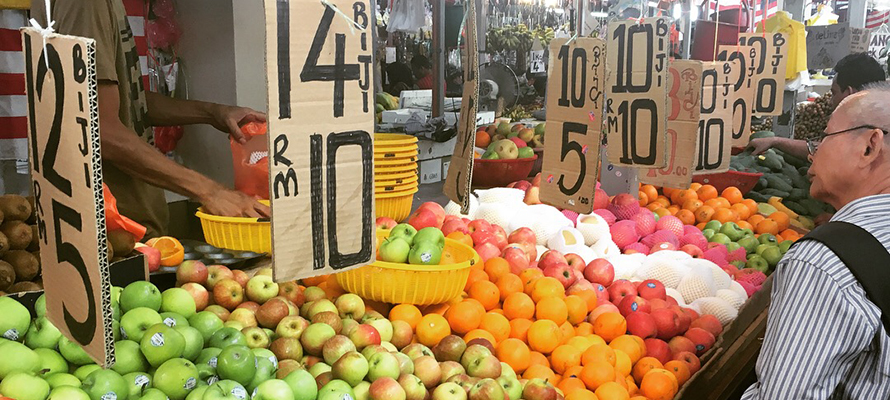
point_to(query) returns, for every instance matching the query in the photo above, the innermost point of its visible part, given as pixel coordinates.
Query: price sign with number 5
(321, 166)
(66, 170)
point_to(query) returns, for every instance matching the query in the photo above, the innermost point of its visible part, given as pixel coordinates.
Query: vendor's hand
(231, 203)
(229, 119)
(760, 146)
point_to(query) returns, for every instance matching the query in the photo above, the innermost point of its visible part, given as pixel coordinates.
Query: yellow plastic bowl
(378, 184)
(395, 205)
(395, 188)
(386, 169)
(237, 233)
(378, 149)
(395, 155)
(404, 164)
(393, 140)
(413, 284)
(393, 176)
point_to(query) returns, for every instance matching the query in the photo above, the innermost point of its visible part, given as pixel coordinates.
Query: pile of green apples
(763, 251)
(405, 244)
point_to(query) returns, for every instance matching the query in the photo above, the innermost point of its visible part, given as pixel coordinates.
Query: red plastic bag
(251, 161)
(115, 221)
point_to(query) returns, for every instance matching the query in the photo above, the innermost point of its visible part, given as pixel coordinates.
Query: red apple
(709, 323)
(192, 271)
(690, 359)
(487, 251)
(271, 313)
(579, 286)
(602, 293)
(454, 225)
(219, 310)
(436, 209)
(536, 181)
(657, 304)
(386, 223)
(453, 217)
(550, 258)
(292, 292)
(500, 236)
(651, 289)
(641, 324)
(479, 225)
(692, 250)
(671, 301)
(621, 288)
(562, 272)
(199, 293)
(601, 309)
(532, 195)
(216, 273)
(600, 271)
(516, 257)
(662, 247)
(152, 256)
(240, 277)
(702, 339)
(523, 235)
(631, 304)
(659, 349)
(680, 344)
(668, 323)
(423, 219)
(228, 293)
(480, 237)
(575, 261)
(250, 305)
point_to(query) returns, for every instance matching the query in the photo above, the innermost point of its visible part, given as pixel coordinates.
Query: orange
(610, 325)
(406, 312)
(695, 186)
(679, 369)
(486, 293)
(566, 332)
(431, 329)
(782, 220)
(632, 387)
(497, 325)
(704, 214)
(515, 353)
(654, 206)
(496, 267)
(626, 343)
(547, 287)
(687, 217)
(569, 385)
(528, 277)
(706, 192)
(519, 305)
(645, 365)
(536, 371)
(519, 328)
(465, 316)
(565, 357)
(725, 215)
(171, 250)
(789, 234)
(479, 333)
(681, 196)
(751, 204)
(742, 211)
(658, 385)
(597, 373)
(745, 225)
(674, 209)
(582, 394)
(577, 309)
(623, 364)
(755, 219)
(668, 191)
(461, 237)
(508, 284)
(663, 201)
(651, 192)
(767, 226)
(475, 276)
(573, 372)
(663, 212)
(644, 199)
(584, 329)
(544, 336)
(733, 194)
(552, 308)
(580, 343)
(598, 352)
(483, 139)
(611, 391)
(718, 202)
(589, 297)
(692, 204)
(536, 358)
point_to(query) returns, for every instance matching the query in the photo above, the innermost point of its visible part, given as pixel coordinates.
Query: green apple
(173, 319)
(194, 342)
(128, 357)
(267, 354)
(17, 358)
(68, 393)
(714, 225)
(84, 371)
(136, 321)
(432, 235)
(318, 369)
(708, 233)
(51, 361)
(140, 294)
(767, 238)
(61, 379)
(273, 389)
(733, 246)
(16, 319)
(352, 368)
(362, 391)
(176, 378)
(750, 244)
(383, 365)
(24, 386)
(226, 390)
(490, 155)
(757, 262)
(206, 322)
(265, 370)
(526, 152)
(384, 328)
(116, 329)
(161, 343)
(178, 300)
(772, 255)
(394, 250)
(302, 383)
(198, 393)
(732, 231)
(105, 383)
(785, 245)
(42, 334)
(237, 363)
(137, 382)
(748, 232)
(761, 248)
(425, 253)
(40, 306)
(404, 231)
(208, 356)
(511, 386)
(336, 390)
(227, 336)
(738, 264)
(719, 238)
(154, 394)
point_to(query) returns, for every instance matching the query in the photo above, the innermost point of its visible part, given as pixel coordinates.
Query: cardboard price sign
(460, 173)
(66, 170)
(877, 44)
(321, 115)
(827, 44)
(767, 70)
(744, 89)
(717, 98)
(684, 105)
(636, 92)
(574, 123)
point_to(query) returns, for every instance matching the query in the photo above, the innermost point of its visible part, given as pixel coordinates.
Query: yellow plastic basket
(393, 140)
(395, 205)
(378, 184)
(405, 164)
(382, 148)
(386, 169)
(413, 284)
(378, 176)
(395, 155)
(237, 233)
(395, 188)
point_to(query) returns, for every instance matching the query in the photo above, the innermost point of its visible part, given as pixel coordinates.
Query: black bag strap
(863, 255)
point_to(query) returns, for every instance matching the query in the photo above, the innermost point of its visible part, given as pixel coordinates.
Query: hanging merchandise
(406, 16)
(796, 34)
(824, 16)
(163, 33)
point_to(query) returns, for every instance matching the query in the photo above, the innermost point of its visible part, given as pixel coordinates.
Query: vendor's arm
(815, 330)
(123, 148)
(163, 111)
(797, 148)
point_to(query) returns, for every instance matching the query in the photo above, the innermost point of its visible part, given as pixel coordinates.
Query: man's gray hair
(870, 106)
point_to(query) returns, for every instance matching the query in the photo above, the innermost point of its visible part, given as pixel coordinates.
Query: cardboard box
(428, 149)
(434, 170)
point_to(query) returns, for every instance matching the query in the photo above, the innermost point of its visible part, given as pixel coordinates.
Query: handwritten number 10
(579, 55)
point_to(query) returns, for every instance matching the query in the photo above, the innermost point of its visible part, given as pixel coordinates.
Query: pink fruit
(687, 229)
(716, 255)
(519, 142)
(749, 288)
(692, 250)
(738, 255)
(671, 223)
(600, 200)
(729, 269)
(624, 206)
(659, 237)
(571, 215)
(695, 239)
(637, 248)
(751, 276)
(663, 246)
(606, 214)
(651, 289)
(624, 233)
(487, 251)
(522, 235)
(645, 223)
(516, 257)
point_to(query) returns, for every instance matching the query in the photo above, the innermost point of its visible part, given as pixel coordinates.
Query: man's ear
(875, 144)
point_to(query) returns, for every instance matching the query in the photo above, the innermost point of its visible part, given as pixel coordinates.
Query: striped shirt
(824, 338)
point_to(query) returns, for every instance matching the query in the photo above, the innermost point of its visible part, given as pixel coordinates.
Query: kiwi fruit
(7, 275)
(17, 233)
(26, 266)
(35, 240)
(15, 207)
(122, 242)
(32, 219)
(4, 244)
(24, 287)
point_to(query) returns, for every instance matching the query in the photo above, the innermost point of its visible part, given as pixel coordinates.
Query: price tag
(767, 70)
(684, 95)
(745, 90)
(714, 132)
(460, 178)
(574, 123)
(636, 92)
(321, 115)
(66, 170)
(536, 61)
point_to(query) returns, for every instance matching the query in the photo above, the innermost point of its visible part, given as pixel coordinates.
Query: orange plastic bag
(251, 161)
(115, 221)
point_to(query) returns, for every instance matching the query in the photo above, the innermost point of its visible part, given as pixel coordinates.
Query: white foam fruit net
(541, 250)
(566, 240)
(501, 195)
(256, 156)
(501, 214)
(668, 271)
(698, 283)
(545, 221)
(586, 253)
(731, 297)
(719, 308)
(737, 287)
(606, 248)
(593, 232)
(625, 266)
(676, 295)
(453, 208)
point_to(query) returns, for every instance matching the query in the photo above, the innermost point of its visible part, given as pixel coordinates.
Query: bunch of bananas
(811, 118)
(517, 113)
(509, 38)
(544, 35)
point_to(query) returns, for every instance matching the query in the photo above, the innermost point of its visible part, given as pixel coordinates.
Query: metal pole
(438, 58)
(686, 28)
(581, 10)
(856, 14)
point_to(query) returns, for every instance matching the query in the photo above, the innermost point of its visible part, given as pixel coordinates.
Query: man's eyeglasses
(813, 143)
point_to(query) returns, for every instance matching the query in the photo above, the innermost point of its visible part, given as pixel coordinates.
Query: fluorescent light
(694, 14)
(653, 4)
(678, 11)
(599, 14)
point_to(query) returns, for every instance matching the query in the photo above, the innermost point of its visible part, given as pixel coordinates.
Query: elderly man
(825, 338)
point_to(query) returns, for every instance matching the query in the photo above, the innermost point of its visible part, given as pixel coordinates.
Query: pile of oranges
(701, 204)
(543, 332)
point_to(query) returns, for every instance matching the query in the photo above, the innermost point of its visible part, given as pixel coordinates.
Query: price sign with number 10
(321, 166)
